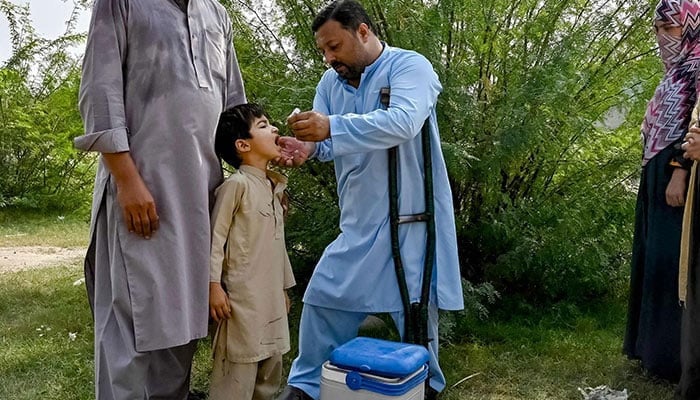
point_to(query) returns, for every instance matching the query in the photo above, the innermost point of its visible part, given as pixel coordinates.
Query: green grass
(547, 357)
(523, 354)
(38, 360)
(538, 357)
(19, 228)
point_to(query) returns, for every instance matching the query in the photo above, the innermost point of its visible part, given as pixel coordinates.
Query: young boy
(249, 269)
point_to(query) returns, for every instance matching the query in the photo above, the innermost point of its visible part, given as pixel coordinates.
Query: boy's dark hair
(234, 124)
(349, 13)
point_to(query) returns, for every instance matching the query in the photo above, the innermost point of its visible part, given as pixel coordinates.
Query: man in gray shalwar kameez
(156, 76)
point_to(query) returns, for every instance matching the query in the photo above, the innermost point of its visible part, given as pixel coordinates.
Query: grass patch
(546, 354)
(38, 312)
(22, 228)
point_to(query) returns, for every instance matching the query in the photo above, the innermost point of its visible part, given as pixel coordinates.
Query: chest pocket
(272, 213)
(266, 210)
(215, 50)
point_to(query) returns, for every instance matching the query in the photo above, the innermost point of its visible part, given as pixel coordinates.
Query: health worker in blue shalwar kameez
(355, 275)
(156, 76)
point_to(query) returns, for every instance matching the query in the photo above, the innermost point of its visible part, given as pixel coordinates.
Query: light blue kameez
(355, 274)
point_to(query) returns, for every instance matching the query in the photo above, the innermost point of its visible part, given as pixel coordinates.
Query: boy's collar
(275, 176)
(253, 170)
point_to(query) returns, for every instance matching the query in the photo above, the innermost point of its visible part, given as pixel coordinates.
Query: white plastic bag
(603, 393)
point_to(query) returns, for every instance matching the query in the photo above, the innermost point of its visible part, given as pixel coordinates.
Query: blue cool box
(380, 357)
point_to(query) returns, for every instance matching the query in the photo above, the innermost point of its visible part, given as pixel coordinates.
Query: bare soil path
(13, 259)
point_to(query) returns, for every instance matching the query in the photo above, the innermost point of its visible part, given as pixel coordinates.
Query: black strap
(415, 314)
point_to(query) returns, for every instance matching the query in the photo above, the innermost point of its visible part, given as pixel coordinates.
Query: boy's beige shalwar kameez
(250, 260)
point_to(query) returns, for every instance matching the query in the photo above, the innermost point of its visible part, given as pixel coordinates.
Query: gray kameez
(154, 82)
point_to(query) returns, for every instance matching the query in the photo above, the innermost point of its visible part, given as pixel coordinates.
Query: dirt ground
(13, 259)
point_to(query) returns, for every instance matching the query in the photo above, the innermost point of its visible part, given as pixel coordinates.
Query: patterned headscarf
(668, 13)
(668, 112)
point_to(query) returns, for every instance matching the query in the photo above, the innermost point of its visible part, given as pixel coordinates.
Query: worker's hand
(310, 126)
(691, 144)
(219, 308)
(294, 151)
(676, 189)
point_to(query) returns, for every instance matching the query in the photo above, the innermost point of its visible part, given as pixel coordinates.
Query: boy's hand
(219, 309)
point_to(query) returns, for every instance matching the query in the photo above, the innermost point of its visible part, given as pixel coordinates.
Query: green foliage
(313, 217)
(477, 300)
(39, 119)
(539, 115)
(546, 210)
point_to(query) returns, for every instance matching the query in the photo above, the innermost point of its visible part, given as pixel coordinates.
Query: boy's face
(263, 142)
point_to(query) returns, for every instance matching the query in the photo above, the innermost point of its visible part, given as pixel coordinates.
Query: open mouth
(277, 140)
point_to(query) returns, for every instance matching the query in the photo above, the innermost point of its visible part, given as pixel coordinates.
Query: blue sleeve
(414, 91)
(324, 149)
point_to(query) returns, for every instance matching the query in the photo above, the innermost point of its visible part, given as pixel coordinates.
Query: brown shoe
(292, 393)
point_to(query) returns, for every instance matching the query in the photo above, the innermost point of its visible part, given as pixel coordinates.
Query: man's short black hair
(234, 124)
(349, 13)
